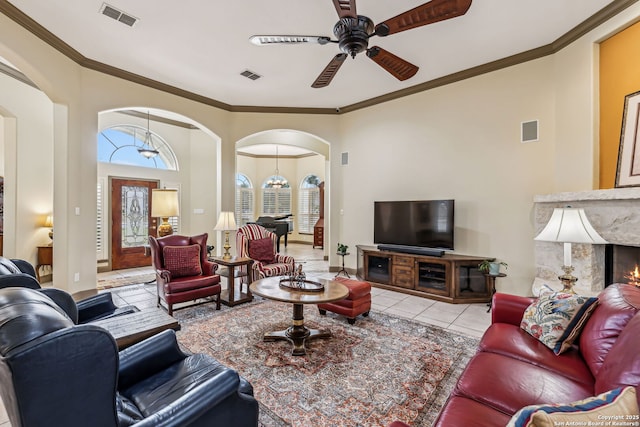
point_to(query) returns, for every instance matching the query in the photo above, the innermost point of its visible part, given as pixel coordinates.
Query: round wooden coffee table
(297, 334)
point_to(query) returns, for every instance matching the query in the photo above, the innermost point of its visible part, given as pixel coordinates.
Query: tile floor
(470, 319)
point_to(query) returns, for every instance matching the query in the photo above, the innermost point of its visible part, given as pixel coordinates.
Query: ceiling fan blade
(428, 13)
(262, 40)
(398, 67)
(329, 71)
(345, 8)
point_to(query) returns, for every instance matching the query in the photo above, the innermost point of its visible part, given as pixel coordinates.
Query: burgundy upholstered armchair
(183, 272)
(256, 242)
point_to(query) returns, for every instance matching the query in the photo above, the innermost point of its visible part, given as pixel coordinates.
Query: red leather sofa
(511, 369)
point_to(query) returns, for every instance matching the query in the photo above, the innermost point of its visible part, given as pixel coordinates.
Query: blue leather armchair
(20, 273)
(53, 372)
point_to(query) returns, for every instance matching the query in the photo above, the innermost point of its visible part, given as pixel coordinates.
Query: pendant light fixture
(148, 150)
(277, 181)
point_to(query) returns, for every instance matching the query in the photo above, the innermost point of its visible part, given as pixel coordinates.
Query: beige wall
(460, 141)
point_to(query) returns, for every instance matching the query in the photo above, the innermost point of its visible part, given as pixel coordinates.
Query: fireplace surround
(614, 213)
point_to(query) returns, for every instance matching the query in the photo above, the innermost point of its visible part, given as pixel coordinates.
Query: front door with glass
(131, 222)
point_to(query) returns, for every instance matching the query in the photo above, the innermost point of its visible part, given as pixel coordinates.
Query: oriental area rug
(369, 374)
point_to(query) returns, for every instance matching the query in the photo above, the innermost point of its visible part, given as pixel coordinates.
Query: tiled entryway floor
(470, 319)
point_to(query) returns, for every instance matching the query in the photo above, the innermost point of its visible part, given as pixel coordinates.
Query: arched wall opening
(197, 177)
(27, 117)
(263, 166)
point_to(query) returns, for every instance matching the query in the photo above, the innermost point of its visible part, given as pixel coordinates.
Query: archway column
(10, 170)
(75, 171)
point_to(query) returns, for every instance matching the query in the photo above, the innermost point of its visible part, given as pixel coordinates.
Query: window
(244, 200)
(120, 144)
(308, 204)
(276, 201)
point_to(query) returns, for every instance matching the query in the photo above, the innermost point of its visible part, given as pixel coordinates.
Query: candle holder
(298, 281)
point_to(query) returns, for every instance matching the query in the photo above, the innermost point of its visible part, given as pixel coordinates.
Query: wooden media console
(451, 278)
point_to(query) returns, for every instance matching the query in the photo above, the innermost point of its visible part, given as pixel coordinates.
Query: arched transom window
(130, 145)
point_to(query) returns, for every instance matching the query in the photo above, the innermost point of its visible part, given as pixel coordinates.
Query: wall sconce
(164, 204)
(226, 223)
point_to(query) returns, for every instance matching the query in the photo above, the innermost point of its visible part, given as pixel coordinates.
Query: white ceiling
(202, 46)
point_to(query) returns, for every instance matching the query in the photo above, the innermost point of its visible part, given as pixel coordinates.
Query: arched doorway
(294, 155)
(26, 129)
(126, 175)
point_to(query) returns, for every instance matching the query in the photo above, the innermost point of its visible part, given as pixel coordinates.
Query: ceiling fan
(353, 32)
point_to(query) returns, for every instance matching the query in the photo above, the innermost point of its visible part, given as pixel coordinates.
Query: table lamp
(164, 203)
(226, 223)
(48, 222)
(569, 225)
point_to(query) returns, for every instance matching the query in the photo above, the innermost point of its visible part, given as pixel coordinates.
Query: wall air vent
(529, 131)
(118, 15)
(250, 75)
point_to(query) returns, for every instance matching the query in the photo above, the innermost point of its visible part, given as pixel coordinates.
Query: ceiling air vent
(118, 15)
(250, 75)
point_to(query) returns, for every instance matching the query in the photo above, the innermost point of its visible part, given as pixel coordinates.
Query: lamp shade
(48, 222)
(164, 203)
(226, 221)
(569, 225)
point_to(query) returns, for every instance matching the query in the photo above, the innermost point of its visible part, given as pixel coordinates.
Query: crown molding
(563, 41)
(581, 29)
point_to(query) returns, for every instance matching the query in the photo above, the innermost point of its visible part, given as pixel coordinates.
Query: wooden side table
(45, 257)
(232, 296)
(132, 328)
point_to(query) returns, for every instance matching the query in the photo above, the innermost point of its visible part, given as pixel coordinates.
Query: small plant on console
(491, 266)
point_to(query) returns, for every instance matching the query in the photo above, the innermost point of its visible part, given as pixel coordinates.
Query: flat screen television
(422, 223)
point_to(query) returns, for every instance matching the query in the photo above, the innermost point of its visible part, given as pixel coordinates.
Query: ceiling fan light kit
(353, 32)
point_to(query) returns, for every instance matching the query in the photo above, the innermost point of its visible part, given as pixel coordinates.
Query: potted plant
(491, 266)
(342, 249)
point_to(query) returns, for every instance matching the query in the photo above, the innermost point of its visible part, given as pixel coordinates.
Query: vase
(494, 268)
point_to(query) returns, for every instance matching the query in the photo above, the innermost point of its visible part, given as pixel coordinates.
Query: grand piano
(281, 225)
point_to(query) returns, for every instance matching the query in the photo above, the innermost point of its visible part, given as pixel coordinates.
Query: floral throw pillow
(557, 318)
(615, 407)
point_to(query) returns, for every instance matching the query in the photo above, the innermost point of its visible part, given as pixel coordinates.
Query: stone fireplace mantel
(615, 214)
